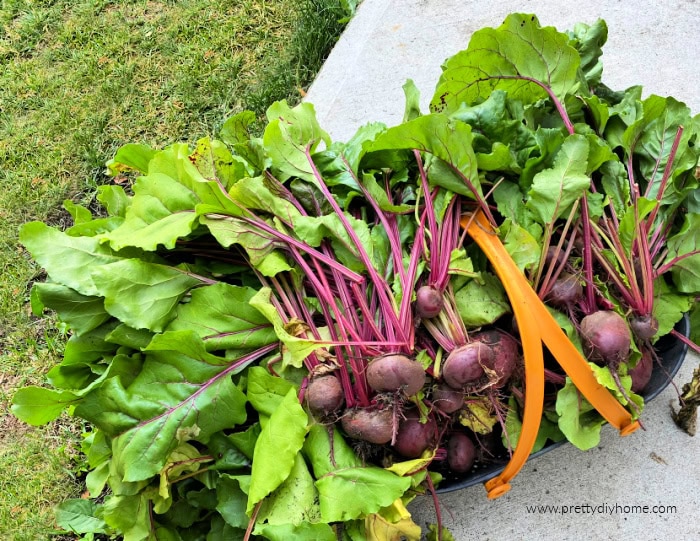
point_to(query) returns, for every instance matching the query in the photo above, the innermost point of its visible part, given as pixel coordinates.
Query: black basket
(671, 352)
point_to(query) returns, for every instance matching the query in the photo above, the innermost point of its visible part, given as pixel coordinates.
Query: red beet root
(324, 395)
(461, 453)
(428, 302)
(447, 399)
(506, 355)
(606, 338)
(566, 290)
(395, 372)
(644, 327)
(373, 426)
(465, 364)
(414, 437)
(641, 373)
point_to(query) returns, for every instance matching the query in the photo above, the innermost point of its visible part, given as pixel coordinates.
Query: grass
(78, 79)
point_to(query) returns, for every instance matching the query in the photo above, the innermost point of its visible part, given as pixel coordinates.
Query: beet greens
(264, 330)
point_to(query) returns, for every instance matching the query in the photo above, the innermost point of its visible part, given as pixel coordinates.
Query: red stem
(687, 341)
(381, 287)
(667, 266)
(666, 176)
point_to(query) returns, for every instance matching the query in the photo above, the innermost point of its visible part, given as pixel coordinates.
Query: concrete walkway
(652, 43)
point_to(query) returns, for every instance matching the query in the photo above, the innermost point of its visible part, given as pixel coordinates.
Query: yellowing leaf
(409, 467)
(185, 458)
(377, 528)
(478, 415)
(297, 348)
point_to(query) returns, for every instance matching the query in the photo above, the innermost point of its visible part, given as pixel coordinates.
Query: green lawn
(78, 79)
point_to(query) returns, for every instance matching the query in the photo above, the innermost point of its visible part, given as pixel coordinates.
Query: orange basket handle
(536, 325)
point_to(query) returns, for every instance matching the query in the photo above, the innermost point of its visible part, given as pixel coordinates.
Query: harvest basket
(671, 352)
(236, 276)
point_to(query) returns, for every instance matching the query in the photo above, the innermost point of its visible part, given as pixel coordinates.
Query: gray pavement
(652, 43)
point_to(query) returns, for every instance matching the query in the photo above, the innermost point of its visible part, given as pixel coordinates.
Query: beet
(429, 302)
(414, 437)
(394, 372)
(641, 373)
(465, 364)
(566, 290)
(506, 354)
(554, 255)
(370, 425)
(644, 327)
(606, 338)
(461, 453)
(447, 399)
(324, 395)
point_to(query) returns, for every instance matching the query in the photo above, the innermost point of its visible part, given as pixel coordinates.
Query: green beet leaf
(131, 156)
(554, 190)
(81, 313)
(684, 249)
(301, 532)
(142, 295)
(616, 186)
(314, 229)
(669, 306)
(129, 515)
(695, 323)
(521, 245)
(80, 516)
(38, 405)
(650, 140)
(412, 107)
(290, 133)
(518, 57)
(349, 493)
(548, 429)
(262, 250)
(578, 420)
(502, 141)
(221, 315)
(79, 213)
(228, 456)
(215, 162)
(165, 202)
(277, 447)
(265, 391)
(174, 398)
(549, 141)
(161, 212)
(444, 138)
(221, 531)
(245, 441)
(588, 40)
(114, 199)
(186, 342)
(95, 393)
(83, 359)
(232, 501)
(124, 335)
(628, 222)
(481, 302)
(236, 129)
(605, 378)
(294, 502)
(67, 259)
(260, 193)
(318, 451)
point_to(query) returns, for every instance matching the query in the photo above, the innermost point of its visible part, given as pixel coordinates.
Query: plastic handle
(537, 325)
